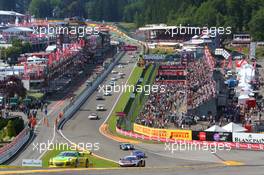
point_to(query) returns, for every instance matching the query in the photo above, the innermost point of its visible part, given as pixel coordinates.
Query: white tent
(232, 127)
(51, 48)
(216, 128)
(18, 29)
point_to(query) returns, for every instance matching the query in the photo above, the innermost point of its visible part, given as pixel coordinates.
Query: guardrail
(73, 107)
(232, 145)
(12, 148)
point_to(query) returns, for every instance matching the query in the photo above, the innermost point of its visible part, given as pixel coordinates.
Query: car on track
(112, 83)
(93, 116)
(100, 107)
(107, 93)
(130, 161)
(120, 66)
(126, 146)
(121, 75)
(70, 159)
(139, 154)
(114, 72)
(99, 97)
(114, 78)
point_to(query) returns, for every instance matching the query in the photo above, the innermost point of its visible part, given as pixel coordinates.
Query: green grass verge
(97, 162)
(35, 95)
(142, 101)
(127, 27)
(260, 52)
(123, 99)
(245, 50)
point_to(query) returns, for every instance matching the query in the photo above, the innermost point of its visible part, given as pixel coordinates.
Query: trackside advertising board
(212, 136)
(248, 138)
(163, 133)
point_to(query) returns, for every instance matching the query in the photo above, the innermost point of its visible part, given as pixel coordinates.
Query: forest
(241, 15)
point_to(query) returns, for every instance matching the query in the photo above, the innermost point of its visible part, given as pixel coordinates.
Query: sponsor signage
(32, 162)
(163, 133)
(248, 138)
(212, 136)
(155, 57)
(129, 48)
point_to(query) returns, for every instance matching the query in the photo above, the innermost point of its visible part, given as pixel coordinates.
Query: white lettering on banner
(248, 138)
(32, 162)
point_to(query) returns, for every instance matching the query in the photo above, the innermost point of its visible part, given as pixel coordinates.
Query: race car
(126, 146)
(70, 159)
(93, 116)
(99, 97)
(100, 107)
(139, 154)
(130, 161)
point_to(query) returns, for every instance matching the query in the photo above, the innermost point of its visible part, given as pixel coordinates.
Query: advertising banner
(212, 136)
(248, 138)
(163, 133)
(129, 48)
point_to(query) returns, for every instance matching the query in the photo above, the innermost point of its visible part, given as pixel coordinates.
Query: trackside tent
(216, 128)
(232, 127)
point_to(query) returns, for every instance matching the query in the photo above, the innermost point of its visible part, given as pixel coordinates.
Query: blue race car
(139, 154)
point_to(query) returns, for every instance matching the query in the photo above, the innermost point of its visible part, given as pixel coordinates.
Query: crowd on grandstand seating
(164, 108)
(161, 107)
(201, 86)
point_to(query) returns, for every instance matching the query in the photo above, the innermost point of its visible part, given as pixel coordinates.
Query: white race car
(93, 116)
(100, 107)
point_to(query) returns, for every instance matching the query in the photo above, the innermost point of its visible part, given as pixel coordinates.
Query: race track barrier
(9, 150)
(232, 145)
(72, 108)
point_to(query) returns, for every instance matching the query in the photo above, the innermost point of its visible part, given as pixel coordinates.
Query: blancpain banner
(248, 138)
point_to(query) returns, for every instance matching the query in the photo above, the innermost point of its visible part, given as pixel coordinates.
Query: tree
(14, 86)
(10, 129)
(256, 25)
(41, 8)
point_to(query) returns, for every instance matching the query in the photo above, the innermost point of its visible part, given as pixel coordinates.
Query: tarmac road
(160, 161)
(82, 130)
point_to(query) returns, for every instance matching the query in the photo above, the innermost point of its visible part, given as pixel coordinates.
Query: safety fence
(9, 150)
(244, 141)
(73, 107)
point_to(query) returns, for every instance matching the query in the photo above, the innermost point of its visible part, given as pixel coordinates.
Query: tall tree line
(241, 15)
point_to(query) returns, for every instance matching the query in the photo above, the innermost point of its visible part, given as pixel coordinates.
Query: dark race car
(127, 146)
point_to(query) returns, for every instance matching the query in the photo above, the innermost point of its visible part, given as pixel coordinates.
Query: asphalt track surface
(160, 160)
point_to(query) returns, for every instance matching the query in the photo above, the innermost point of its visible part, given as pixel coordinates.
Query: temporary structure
(216, 128)
(232, 127)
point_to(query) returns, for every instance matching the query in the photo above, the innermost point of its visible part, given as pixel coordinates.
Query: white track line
(51, 142)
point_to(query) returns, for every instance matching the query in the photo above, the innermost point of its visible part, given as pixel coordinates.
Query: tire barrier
(9, 150)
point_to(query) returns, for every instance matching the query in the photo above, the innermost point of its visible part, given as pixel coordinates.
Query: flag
(254, 64)
(58, 55)
(25, 68)
(50, 61)
(230, 63)
(223, 64)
